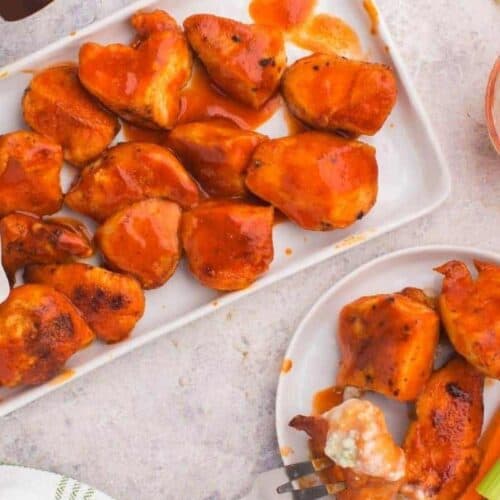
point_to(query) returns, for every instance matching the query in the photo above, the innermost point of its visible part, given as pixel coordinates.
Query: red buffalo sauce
(326, 399)
(328, 34)
(372, 12)
(140, 134)
(13, 10)
(294, 125)
(202, 100)
(283, 14)
(14, 172)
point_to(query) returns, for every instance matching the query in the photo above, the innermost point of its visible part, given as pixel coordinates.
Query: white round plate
(314, 352)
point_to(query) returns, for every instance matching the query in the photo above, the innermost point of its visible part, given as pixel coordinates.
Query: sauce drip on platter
(283, 14)
(202, 100)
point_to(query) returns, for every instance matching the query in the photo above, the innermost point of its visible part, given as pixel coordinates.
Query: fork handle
(264, 487)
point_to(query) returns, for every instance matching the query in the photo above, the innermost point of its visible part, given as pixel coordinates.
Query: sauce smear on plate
(372, 12)
(202, 100)
(326, 399)
(329, 34)
(283, 14)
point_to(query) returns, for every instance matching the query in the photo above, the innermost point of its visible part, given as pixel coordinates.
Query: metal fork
(265, 487)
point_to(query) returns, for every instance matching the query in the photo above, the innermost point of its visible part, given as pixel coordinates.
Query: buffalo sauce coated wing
(110, 303)
(420, 296)
(245, 60)
(56, 104)
(217, 153)
(387, 345)
(142, 83)
(30, 165)
(442, 456)
(28, 239)
(355, 438)
(130, 172)
(332, 93)
(471, 313)
(143, 240)
(228, 244)
(320, 181)
(358, 487)
(39, 330)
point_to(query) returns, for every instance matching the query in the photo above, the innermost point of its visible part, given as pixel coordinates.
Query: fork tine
(284, 488)
(300, 469)
(318, 491)
(310, 493)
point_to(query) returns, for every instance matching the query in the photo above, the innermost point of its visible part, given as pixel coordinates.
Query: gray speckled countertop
(191, 416)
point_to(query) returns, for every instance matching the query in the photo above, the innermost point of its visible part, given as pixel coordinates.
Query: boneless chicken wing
(130, 172)
(30, 165)
(228, 244)
(56, 104)
(320, 181)
(39, 330)
(110, 303)
(143, 240)
(329, 92)
(28, 239)
(354, 436)
(471, 313)
(245, 60)
(387, 344)
(141, 83)
(217, 153)
(441, 451)
(421, 296)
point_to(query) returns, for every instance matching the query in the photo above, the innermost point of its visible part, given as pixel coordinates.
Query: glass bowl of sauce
(493, 105)
(14, 10)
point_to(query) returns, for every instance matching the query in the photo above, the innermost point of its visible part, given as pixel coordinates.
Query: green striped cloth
(23, 483)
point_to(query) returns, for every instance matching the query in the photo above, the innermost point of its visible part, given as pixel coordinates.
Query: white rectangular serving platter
(414, 178)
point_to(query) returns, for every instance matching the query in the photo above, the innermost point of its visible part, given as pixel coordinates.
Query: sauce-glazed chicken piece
(217, 153)
(143, 240)
(329, 92)
(56, 104)
(320, 181)
(228, 244)
(471, 313)
(441, 451)
(110, 303)
(30, 165)
(421, 296)
(127, 173)
(39, 330)
(141, 83)
(245, 60)
(354, 436)
(387, 345)
(28, 239)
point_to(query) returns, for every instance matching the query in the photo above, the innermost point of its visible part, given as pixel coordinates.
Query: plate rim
(327, 295)
(442, 171)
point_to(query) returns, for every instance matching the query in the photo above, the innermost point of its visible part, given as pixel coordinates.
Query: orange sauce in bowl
(283, 14)
(13, 10)
(203, 100)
